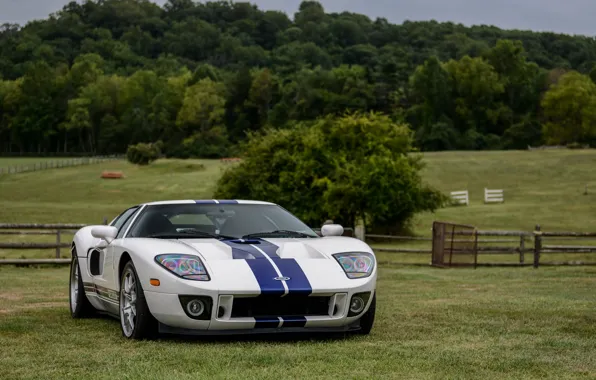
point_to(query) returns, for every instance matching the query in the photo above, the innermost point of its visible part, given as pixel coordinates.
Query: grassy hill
(541, 187)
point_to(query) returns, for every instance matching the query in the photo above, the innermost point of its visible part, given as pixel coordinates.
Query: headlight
(188, 267)
(356, 264)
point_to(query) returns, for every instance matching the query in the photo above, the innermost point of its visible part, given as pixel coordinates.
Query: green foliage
(345, 168)
(143, 153)
(99, 76)
(570, 110)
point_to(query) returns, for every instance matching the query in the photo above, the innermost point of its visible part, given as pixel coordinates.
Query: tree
(346, 168)
(201, 118)
(570, 110)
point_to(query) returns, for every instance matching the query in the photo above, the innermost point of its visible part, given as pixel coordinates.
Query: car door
(114, 250)
(100, 263)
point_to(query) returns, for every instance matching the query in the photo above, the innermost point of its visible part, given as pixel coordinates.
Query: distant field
(5, 162)
(79, 195)
(541, 187)
(431, 324)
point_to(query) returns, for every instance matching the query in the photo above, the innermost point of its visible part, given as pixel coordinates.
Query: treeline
(105, 74)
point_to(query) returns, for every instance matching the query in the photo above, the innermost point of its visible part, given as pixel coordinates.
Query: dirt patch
(11, 296)
(38, 305)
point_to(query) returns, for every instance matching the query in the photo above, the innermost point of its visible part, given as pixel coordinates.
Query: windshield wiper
(276, 233)
(190, 233)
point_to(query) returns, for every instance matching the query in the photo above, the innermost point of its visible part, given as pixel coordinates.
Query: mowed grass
(540, 187)
(431, 324)
(6, 162)
(489, 323)
(79, 194)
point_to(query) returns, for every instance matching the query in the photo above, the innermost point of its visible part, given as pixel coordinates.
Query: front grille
(275, 306)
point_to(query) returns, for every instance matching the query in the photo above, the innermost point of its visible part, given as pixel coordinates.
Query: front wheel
(135, 318)
(80, 307)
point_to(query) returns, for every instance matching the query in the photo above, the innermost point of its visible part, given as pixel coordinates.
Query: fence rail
(536, 248)
(56, 164)
(523, 243)
(37, 229)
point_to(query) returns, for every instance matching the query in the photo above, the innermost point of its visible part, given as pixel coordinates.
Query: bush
(340, 168)
(143, 153)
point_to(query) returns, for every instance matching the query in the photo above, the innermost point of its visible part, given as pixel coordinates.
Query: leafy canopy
(345, 168)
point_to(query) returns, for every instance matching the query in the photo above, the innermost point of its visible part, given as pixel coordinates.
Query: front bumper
(223, 319)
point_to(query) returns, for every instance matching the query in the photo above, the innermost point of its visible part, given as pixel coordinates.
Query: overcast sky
(564, 16)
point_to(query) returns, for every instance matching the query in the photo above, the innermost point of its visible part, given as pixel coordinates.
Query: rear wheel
(368, 319)
(80, 307)
(136, 320)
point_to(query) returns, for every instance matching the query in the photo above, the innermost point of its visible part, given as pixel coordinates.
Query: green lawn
(431, 324)
(5, 162)
(499, 323)
(541, 187)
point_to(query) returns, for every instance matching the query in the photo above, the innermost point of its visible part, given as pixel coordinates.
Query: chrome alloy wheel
(74, 285)
(128, 301)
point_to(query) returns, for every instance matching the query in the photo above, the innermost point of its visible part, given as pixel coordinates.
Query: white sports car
(221, 267)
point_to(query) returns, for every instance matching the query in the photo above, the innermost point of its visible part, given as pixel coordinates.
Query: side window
(124, 221)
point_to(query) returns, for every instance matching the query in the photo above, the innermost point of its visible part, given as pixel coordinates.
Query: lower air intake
(288, 306)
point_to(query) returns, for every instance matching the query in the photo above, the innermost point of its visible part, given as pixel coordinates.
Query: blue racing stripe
(228, 202)
(269, 248)
(265, 274)
(293, 321)
(298, 282)
(266, 322)
(205, 202)
(262, 269)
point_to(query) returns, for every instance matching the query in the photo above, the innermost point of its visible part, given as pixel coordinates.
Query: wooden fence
(528, 247)
(526, 244)
(55, 164)
(35, 229)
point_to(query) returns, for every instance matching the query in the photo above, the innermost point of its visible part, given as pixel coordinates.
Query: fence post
(359, 231)
(537, 246)
(105, 221)
(58, 233)
(522, 247)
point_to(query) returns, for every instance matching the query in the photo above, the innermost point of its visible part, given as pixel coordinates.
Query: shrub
(345, 168)
(143, 153)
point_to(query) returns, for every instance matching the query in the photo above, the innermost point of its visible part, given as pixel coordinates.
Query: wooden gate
(454, 245)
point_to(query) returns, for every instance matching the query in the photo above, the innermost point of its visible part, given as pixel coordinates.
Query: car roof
(209, 201)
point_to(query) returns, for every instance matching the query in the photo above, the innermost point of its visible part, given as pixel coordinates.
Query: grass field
(431, 324)
(541, 187)
(5, 162)
(490, 323)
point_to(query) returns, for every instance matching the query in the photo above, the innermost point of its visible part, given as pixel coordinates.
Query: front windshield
(212, 220)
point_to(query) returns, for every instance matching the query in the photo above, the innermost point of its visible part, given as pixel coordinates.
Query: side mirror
(332, 230)
(107, 233)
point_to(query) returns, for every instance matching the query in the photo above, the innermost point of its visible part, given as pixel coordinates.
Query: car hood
(308, 248)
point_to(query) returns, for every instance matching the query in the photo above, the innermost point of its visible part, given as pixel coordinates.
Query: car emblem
(283, 278)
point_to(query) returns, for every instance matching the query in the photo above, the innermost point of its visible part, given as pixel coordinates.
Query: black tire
(368, 319)
(145, 325)
(81, 307)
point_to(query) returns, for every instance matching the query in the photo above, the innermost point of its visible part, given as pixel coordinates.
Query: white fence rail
(493, 196)
(460, 197)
